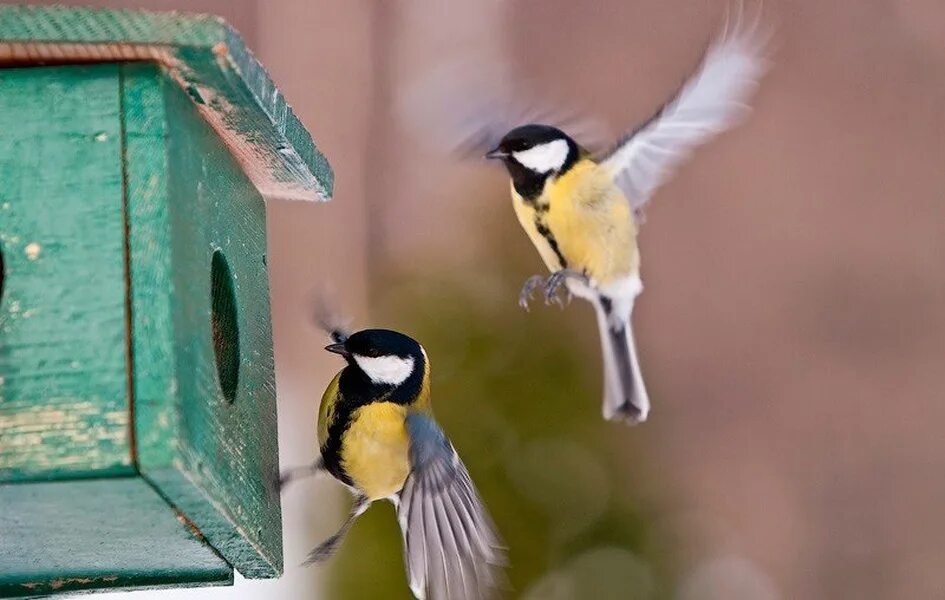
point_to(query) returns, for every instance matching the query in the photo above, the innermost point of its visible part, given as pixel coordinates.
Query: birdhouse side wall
(64, 406)
(204, 388)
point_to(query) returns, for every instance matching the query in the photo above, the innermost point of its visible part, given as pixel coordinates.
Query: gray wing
(464, 106)
(712, 100)
(451, 547)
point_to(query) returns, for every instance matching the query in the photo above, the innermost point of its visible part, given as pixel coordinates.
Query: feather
(712, 100)
(464, 107)
(625, 395)
(450, 545)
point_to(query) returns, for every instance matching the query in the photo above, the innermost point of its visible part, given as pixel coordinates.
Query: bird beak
(338, 349)
(497, 153)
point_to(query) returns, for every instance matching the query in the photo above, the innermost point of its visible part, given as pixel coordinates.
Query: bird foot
(531, 284)
(554, 283)
(550, 287)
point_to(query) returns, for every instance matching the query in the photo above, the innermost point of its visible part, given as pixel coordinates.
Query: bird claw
(550, 287)
(531, 284)
(554, 283)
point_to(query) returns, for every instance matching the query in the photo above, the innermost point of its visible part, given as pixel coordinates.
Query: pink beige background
(793, 324)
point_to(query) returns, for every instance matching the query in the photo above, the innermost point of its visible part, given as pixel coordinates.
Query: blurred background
(792, 331)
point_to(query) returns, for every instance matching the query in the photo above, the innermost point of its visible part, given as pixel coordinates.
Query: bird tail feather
(625, 396)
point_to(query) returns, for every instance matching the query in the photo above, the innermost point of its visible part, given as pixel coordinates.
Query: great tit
(378, 437)
(582, 212)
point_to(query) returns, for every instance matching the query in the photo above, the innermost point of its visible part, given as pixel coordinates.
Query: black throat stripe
(527, 183)
(331, 447)
(355, 390)
(545, 232)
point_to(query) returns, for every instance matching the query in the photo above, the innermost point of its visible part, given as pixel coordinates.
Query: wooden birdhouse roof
(207, 58)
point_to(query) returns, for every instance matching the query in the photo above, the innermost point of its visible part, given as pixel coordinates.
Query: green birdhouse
(138, 440)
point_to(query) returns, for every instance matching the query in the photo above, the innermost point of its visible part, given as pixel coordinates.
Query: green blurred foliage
(518, 393)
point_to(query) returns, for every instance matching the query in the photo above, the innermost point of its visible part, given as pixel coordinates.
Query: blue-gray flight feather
(451, 548)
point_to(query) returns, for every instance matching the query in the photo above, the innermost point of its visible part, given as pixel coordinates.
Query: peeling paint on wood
(121, 183)
(215, 460)
(63, 401)
(205, 57)
(93, 534)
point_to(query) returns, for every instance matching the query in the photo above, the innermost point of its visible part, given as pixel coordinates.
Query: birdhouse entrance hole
(226, 339)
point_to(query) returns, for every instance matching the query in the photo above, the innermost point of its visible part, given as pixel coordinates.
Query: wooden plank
(205, 57)
(63, 379)
(94, 534)
(149, 246)
(213, 457)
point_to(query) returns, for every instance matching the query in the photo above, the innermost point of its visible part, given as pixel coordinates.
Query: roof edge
(205, 56)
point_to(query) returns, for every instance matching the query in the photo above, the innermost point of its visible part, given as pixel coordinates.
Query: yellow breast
(375, 449)
(590, 220)
(526, 213)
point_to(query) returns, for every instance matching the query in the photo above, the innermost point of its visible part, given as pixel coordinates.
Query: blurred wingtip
(455, 107)
(463, 107)
(748, 30)
(329, 319)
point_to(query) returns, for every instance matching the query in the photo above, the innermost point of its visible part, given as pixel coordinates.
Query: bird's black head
(540, 148)
(385, 356)
(532, 153)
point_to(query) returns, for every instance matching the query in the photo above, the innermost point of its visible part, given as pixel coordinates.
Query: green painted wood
(213, 457)
(99, 533)
(149, 244)
(204, 56)
(134, 310)
(64, 408)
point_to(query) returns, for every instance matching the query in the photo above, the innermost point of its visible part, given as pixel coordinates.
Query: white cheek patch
(545, 157)
(390, 370)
